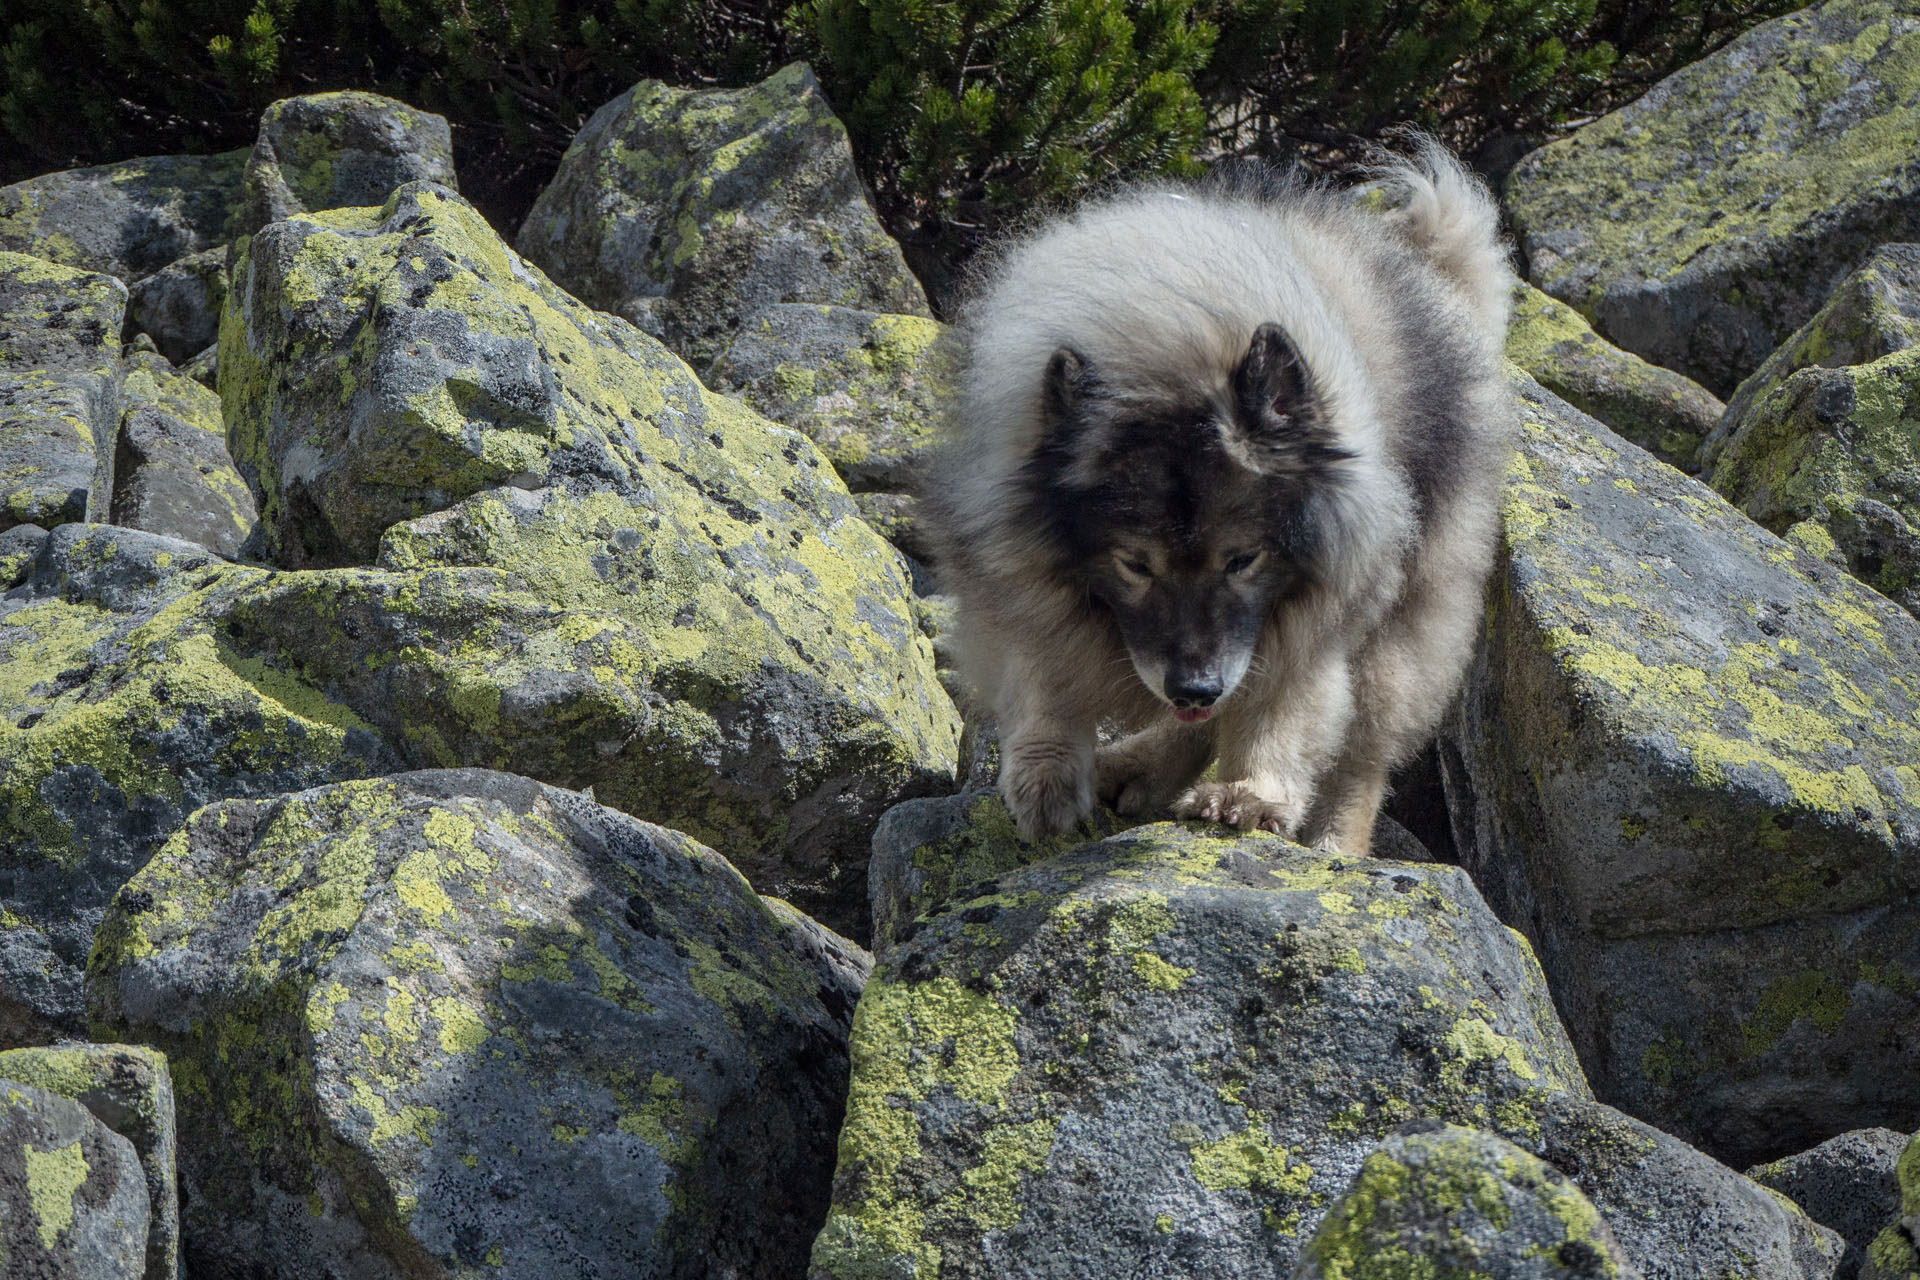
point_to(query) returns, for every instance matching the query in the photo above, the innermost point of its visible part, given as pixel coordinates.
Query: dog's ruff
(1224, 470)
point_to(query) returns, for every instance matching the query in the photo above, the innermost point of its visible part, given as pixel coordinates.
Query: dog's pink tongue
(1192, 715)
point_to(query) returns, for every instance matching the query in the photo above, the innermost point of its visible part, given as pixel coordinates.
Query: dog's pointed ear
(1271, 383)
(1069, 377)
(1280, 409)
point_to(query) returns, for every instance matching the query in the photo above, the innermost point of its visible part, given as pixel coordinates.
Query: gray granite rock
(128, 219)
(1705, 221)
(59, 390)
(689, 212)
(179, 305)
(73, 1200)
(866, 388)
(128, 1090)
(1683, 766)
(339, 151)
(1659, 410)
(1448, 1200)
(125, 708)
(172, 473)
(1175, 1047)
(1847, 1183)
(457, 1022)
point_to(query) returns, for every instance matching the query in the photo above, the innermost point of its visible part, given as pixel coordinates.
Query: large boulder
(128, 1090)
(172, 474)
(128, 219)
(866, 388)
(1684, 767)
(1174, 1047)
(1874, 312)
(690, 211)
(59, 390)
(1848, 1183)
(461, 1023)
(627, 582)
(339, 151)
(1705, 221)
(73, 1202)
(1441, 1199)
(1822, 444)
(1657, 409)
(126, 708)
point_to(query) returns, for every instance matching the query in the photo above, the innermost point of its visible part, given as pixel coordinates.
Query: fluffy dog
(1224, 471)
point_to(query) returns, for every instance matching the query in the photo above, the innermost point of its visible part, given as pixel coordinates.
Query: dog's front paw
(1129, 785)
(1237, 804)
(1046, 797)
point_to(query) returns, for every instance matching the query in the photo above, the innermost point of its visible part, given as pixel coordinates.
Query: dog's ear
(1069, 377)
(1280, 410)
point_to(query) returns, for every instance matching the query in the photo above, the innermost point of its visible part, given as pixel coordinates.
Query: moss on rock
(59, 375)
(387, 1003)
(1691, 751)
(689, 212)
(1657, 409)
(1702, 223)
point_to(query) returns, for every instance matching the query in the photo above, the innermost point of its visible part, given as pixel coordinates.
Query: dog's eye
(1242, 563)
(1137, 567)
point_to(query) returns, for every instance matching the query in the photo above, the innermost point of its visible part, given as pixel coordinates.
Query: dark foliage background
(964, 113)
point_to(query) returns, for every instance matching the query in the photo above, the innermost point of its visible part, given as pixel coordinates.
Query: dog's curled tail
(1448, 214)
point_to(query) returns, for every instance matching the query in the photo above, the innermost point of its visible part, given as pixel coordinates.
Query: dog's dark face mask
(1189, 523)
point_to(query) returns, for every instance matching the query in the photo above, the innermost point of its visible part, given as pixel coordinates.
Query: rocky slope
(467, 699)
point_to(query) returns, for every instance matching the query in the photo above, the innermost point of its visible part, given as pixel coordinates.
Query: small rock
(1846, 1183)
(172, 473)
(179, 305)
(127, 1089)
(1440, 1199)
(73, 1199)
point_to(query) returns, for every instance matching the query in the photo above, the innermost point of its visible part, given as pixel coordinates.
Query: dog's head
(1190, 519)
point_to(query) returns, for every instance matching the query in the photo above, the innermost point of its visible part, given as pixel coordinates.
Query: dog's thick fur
(1225, 472)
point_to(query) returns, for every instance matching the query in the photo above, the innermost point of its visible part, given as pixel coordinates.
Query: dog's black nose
(1193, 689)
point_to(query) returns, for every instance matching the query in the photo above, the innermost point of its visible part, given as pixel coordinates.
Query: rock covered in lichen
(179, 305)
(172, 474)
(1702, 223)
(1831, 457)
(339, 151)
(1657, 409)
(461, 1023)
(1847, 1183)
(126, 708)
(866, 388)
(1440, 1199)
(1894, 1254)
(1685, 766)
(59, 397)
(690, 211)
(1873, 313)
(73, 1202)
(1171, 1048)
(127, 1089)
(127, 219)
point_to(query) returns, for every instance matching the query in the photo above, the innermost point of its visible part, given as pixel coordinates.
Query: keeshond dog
(1224, 472)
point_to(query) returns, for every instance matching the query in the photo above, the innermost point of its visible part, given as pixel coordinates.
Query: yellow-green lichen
(53, 1177)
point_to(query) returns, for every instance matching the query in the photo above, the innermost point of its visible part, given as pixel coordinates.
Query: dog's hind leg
(1147, 771)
